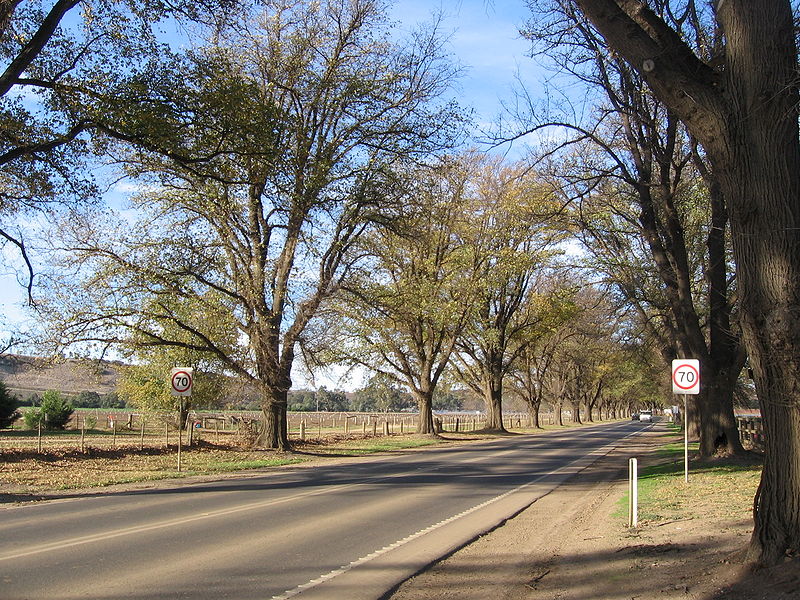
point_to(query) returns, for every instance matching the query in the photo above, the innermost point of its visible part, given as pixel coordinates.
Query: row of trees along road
(275, 148)
(641, 196)
(728, 71)
(274, 154)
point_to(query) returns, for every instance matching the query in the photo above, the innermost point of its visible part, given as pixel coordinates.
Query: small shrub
(53, 413)
(90, 421)
(8, 407)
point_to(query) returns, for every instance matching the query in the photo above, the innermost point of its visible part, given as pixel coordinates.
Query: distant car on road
(646, 416)
(635, 417)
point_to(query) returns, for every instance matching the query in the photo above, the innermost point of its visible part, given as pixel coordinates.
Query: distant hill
(28, 375)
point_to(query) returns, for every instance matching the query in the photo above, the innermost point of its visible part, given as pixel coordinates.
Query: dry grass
(26, 471)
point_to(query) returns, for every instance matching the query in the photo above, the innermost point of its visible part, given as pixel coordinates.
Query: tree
(510, 251)
(53, 413)
(331, 401)
(529, 373)
(275, 153)
(588, 353)
(742, 108)
(8, 407)
(401, 316)
(58, 58)
(635, 171)
(144, 381)
(381, 394)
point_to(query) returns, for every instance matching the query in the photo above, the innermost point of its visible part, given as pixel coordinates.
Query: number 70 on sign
(686, 376)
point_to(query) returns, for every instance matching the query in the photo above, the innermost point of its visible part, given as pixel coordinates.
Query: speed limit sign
(686, 376)
(181, 380)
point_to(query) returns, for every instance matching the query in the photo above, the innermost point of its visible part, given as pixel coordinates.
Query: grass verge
(719, 488)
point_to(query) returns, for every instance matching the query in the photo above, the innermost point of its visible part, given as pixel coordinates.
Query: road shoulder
(568, 545)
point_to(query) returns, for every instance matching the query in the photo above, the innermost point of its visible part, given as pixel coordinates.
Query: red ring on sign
(695, 383)
(188, 379)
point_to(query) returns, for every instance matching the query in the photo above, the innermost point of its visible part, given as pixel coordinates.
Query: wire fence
(111, 429)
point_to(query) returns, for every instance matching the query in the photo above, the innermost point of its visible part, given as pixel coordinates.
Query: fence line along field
(116, 429)
(101, 447)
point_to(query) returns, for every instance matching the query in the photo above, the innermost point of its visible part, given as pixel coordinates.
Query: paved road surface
(340, 531)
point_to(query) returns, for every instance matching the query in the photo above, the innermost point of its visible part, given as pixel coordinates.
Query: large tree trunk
(275, 433)
(533, 410)
(559, 410)
(494, 411)
(760, 166)
(424, 400)
(718, 432)
(576, 412)
(493, 392)
(493, 399)
(766, 226)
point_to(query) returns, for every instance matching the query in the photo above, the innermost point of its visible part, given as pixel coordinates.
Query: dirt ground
(569, 545)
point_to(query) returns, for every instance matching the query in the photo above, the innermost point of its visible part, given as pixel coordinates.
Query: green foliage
(265, 153)
(145, 385)
(381, 395)
(447, 400)
(322, 400)
(90, 421)
(52, 414)
(87, 399)
(8, 407)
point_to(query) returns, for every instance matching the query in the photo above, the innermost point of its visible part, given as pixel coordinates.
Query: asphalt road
(348, 531)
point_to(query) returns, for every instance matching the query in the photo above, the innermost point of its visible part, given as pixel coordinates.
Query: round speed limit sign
(181, 381)
(686, 376)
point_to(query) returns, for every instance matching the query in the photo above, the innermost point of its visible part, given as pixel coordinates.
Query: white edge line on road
(104, 536)
(365, 559)
(170, 523)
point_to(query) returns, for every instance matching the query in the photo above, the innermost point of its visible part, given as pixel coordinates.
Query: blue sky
(484, 40)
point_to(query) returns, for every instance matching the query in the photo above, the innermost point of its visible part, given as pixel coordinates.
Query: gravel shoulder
(571, 545)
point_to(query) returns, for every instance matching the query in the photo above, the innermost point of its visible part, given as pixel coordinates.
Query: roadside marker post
(633, 492)
(685, 382)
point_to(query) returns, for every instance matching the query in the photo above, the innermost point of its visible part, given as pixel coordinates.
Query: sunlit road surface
(346, 531)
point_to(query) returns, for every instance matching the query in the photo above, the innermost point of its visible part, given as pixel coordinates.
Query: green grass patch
(718, 488)
(221, 466)
(376, 445)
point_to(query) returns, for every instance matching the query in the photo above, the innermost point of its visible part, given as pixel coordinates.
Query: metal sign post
(181, 380)
(685, 381)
